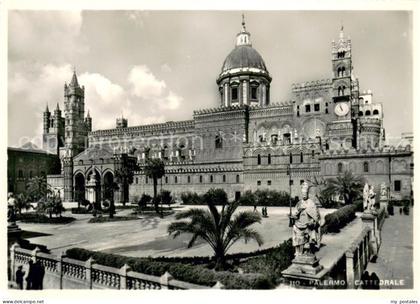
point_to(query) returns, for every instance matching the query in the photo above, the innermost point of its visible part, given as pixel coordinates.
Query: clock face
(341, 109)
(314, 127)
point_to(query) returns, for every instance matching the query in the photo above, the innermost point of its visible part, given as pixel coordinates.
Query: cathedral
(247, 142)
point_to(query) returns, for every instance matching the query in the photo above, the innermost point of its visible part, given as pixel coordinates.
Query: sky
(155, 66)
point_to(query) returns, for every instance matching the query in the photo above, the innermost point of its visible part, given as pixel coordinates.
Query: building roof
(243, 56)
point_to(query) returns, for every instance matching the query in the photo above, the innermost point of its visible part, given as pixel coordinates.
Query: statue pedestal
(370, 219)
(12, 228)
(305, 271)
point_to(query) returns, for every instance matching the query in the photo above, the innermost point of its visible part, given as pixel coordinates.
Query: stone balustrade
(65, 273)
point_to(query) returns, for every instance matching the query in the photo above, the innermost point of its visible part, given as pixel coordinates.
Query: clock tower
(344, 91)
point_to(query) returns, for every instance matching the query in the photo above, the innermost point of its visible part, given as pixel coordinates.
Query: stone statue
(306, 229)
(384, 192)
(369, 198)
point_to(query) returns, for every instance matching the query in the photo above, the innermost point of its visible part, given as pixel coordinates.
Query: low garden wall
(65, 273)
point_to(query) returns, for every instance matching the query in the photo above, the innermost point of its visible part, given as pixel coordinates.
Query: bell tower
(75, 124)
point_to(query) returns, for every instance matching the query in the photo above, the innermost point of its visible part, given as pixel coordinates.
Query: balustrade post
(349, 270)
(13, 261)
(35, 254)
(88, 266)
(60, 269)
(164, 280)
(123, 276)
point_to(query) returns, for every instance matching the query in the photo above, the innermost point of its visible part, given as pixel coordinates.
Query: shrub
(215, 196)
(198, 274)
(191, 198)
(40, 218)
(166, 197)
(390, 208)
(103, 219)
(341, 217)
(144, 200)
(272, 198)
(79, 211)
(272, 263)
(247, 199)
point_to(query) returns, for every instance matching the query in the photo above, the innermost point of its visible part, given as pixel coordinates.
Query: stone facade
(247, 143)
(24, 164)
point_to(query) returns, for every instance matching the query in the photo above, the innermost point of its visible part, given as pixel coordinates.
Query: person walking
(30, 276)
(19, 277)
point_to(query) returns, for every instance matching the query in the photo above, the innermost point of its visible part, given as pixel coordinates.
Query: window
(218, 142)
(302, 181)
(269, 183)
(313, 153)
(365, 167)
(287, 138)
(234, 95)
(291, 158)
(340, 167)
(224, 178)
(201, 178)
(297, 111)
(326, 108)
(397, 185)
(269, 159)
(367, 113)
(258, 159)
(189, 179)
(341, 54)
(237, 178)
(176, 179)
(166, 179)
(316, 107)
(147, 180)
(360, 113)
(274, 139)
(307, 108)
(375, 112)
(137, 180)
(301, 157)
(211, 178)
(291, 182)
(258, 183)
(20, 174)
(253, 92)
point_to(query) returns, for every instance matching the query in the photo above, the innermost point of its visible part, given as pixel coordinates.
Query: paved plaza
(395, 259)
(148, 235)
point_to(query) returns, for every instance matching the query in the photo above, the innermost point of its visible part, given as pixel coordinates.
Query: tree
(155, 169)
(22, 202)
(143, 201)
(38, 188)
(348, 186)
(220, 229)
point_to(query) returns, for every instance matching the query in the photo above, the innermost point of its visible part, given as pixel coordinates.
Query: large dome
(243, 56)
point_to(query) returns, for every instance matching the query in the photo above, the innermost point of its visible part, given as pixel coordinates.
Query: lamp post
(289, 173)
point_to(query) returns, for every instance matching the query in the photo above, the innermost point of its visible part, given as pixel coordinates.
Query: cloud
(166, 68)
(144, 83)
(45, 34)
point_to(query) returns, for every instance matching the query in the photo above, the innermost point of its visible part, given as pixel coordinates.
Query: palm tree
(219, 229)
(155, 169)
(349, 186)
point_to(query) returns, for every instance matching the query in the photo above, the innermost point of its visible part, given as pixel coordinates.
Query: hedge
(80, 211)
(197, 274)
(341, 217)
(106, 219)
(272, 263)
(43, 219)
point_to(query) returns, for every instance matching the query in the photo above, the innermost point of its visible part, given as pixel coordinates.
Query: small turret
(47, 116)
(88, 122)
(122, 123)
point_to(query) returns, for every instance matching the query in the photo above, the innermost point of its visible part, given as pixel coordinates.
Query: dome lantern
(244, 79)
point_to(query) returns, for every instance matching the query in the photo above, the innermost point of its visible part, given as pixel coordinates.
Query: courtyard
(148, 236)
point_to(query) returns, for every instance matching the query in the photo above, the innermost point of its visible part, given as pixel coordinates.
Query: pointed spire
(74, 82)
(88, 114)
(57, 108)
(46, 109)
(243, 23)
(342, 32)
